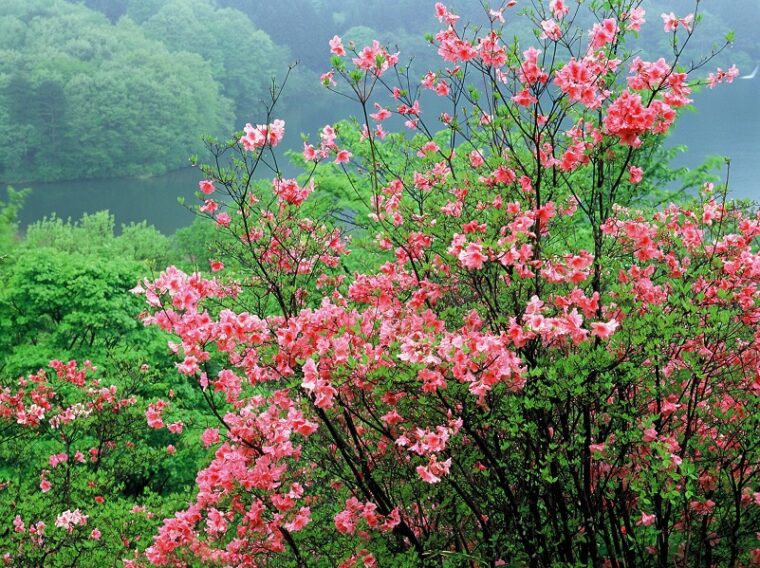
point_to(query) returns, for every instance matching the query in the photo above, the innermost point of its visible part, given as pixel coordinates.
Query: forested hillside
(128, 97)
(117, 101)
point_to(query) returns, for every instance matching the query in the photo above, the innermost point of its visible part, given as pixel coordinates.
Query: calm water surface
(726, 122)
(129, 199)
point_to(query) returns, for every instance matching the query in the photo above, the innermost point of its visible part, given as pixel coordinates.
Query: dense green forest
(104, 88)
(44, 313)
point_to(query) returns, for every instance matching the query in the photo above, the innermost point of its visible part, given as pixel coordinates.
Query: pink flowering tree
(530, 368)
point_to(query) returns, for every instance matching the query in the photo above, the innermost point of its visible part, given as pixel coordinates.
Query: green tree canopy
(81, 97)
(243, 58)
(65, 293)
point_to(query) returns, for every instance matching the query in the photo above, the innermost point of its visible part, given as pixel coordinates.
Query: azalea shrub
(497, 350)
(73, 453)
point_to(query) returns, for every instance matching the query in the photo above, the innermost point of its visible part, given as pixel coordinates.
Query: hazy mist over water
(726, 121)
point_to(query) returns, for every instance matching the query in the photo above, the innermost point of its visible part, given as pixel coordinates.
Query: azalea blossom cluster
(326, 147)
(36, 401)
(373, 58)
(256, 137)
(526, 342)
(69, 520)
(721, 76)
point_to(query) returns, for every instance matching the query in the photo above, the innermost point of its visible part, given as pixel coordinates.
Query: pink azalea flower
(551, 30)
(223, 219)
(309, 153)
(720, 76)
(524, 98)
(635, 19)
(343, 157)
(262, 135)
(476, 159)
(444, 15)
(671, 22)
(496, 15)
(288, 190)
(209, 206)
(381, 114)
(472, 256)
(635, 174)
(559, 8)
(328, 79)
(603, 330)
(603, 33)
(426, 475)
(69, 520)
(56, 459)
(650, 435)
(336, 46)
(210, 436)
(206, 186)
(153, 414)
(299, 522)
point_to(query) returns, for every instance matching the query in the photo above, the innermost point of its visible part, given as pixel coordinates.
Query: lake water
(129, 199)
(726, 122)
